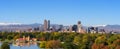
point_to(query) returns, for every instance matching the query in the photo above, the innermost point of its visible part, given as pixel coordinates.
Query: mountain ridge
(16, 26)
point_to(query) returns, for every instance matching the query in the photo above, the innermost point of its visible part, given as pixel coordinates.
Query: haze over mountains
(115, 28)
(18, 26)
(23, 27)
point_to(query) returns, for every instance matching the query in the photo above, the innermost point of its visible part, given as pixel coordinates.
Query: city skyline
(66, 12)
(59, 24)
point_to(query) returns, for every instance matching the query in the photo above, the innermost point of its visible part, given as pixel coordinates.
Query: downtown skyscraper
(79, 27)
(46, 25)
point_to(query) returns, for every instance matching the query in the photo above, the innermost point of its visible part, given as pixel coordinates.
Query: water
(33, 46)
(25, 47)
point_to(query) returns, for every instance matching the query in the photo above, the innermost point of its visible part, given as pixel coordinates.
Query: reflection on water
(28, 45)
(24, 43)
(25, 47)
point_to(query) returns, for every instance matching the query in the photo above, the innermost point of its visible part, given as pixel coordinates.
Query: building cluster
(95, 30)
(25, 41)
(47, 27)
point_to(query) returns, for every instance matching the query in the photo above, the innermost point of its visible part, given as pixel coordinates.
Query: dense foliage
(5, 46)
(69, 40)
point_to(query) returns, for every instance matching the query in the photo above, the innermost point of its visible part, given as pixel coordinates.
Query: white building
(79, 26)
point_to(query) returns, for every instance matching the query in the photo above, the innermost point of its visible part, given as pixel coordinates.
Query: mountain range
(18, 26)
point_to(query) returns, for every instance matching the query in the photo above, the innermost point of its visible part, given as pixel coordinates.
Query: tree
(38, 36)
(112, 39)
(9, 37)
(99, 46)
(100, 40)
(77, 40)
(53, 44)
(117, 47)
(69, 45)
(100, 43)
(5, 46)
(84, 41)
(115, 44)
(69, 37)
(42, 44)
(16, 37)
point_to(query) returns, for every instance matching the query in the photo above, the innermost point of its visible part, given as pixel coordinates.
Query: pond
(24, 47)
(27, 46)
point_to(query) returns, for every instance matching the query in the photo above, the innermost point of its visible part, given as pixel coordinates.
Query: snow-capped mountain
(107, 28)
(10, 24)
(15, 26)
(100, 25)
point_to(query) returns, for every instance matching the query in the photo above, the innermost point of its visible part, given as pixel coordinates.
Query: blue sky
(67, 12)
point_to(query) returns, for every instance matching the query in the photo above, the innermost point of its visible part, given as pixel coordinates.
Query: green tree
(53, 44)
(69, 45)
(101, 39)
(9, 37)
(16, 37)
(43, 44)
(115, 44)
(77, 40)
(5, 46)
(86, 42)
(112, 39)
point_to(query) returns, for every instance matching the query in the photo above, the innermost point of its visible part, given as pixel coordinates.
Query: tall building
(70, 28)
(88, 30)
(60, 27)
(79, 26)
(74, 28)
(48, 25)
(45, 25)
(97, 30)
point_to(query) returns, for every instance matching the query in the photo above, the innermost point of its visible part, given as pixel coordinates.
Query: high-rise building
(45, 25)
(88, 30)
(97, 30)
(74, 28)
(48, 24)
(60, 27)
(79, 26)
(70, 28)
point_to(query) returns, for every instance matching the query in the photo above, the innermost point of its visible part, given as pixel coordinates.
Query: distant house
(24, 39)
